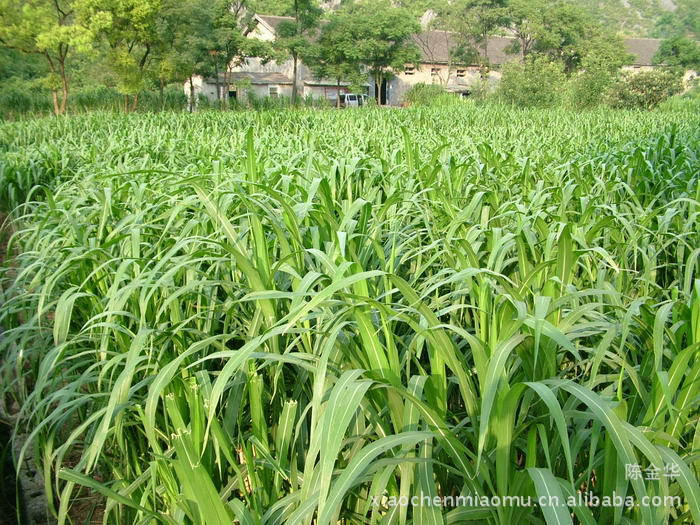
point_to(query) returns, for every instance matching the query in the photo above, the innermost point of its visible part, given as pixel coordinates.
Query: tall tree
(559, 29)
(294, 35)
(679, 52)
(131, 37)
(184, 41)
(527, 21)
(329, 58)
(233, 21)
(377, 35)
(474, 22)
(52, 29)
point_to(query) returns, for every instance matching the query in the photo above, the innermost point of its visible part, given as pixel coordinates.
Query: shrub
(539, 82)
(423, 94)
(429, 95)
(588, 88)
(644, 90)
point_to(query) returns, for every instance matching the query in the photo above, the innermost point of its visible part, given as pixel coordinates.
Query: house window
(273, 91)
(434, 71)
(409, 70)
(461, 72)
(232, 94)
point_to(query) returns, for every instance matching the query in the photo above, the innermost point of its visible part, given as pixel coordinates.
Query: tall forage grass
(300, 317)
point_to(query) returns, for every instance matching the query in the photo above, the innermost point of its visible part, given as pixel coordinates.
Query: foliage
(53, 30)
(376, 35)
(329, 57)
(644, 89)
(275, 317)
(684, 20)
(429, 95)
(600, 66)
(538, 82)
(687, 102)
(635, 18)
(294, 36)
(680, 52)
(473, 22)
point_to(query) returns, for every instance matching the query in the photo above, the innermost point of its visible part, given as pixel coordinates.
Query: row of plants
(296, 316)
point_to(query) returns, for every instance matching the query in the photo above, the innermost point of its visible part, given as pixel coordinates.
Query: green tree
(271, 7)
(377, 35)
(183, 41)
(52, 29)
(233, 21)
(294, 35)
(474, 22)
(600, 64)
(565, 33)
(131, 38)
(329, 58)
(537, 82)
(527, 22)
(679, 52)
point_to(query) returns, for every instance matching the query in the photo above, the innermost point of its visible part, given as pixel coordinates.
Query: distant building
(643, 50)
(275, 79)
(272, 79)
(438, 67)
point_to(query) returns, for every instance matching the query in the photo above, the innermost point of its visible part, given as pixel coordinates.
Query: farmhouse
(274, 79)
(437, 66)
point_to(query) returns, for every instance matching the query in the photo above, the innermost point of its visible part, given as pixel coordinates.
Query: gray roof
(435, 45)
(253, 78)
(643, 49)
(274, 21)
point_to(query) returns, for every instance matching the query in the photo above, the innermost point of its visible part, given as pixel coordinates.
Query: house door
(382, 92)
(233, 94)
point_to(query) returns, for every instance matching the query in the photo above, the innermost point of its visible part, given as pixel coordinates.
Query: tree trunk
(191, 101)
(64, 88)
(218, 87)
(54, 97)
(337, 95)
(295, 89)
(54, 92)
(378, 88)
(135, 101)
(161, 93)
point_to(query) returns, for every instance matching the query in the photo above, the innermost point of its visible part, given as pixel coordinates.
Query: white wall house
(274, 79)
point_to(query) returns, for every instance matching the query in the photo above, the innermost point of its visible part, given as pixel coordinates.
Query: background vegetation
(77, 55)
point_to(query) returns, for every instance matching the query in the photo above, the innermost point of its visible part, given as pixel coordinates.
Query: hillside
(630, 17)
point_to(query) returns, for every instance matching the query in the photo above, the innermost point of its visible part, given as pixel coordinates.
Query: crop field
(328, 317)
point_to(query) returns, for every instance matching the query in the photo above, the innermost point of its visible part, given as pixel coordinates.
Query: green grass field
(302, 317)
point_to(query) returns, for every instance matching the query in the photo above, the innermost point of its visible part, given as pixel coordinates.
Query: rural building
(438, 67)
(643, 50)
(275, 79)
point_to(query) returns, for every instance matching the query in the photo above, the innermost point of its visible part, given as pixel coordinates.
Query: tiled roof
(274, 21)
(435, 45)
(643, 49)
